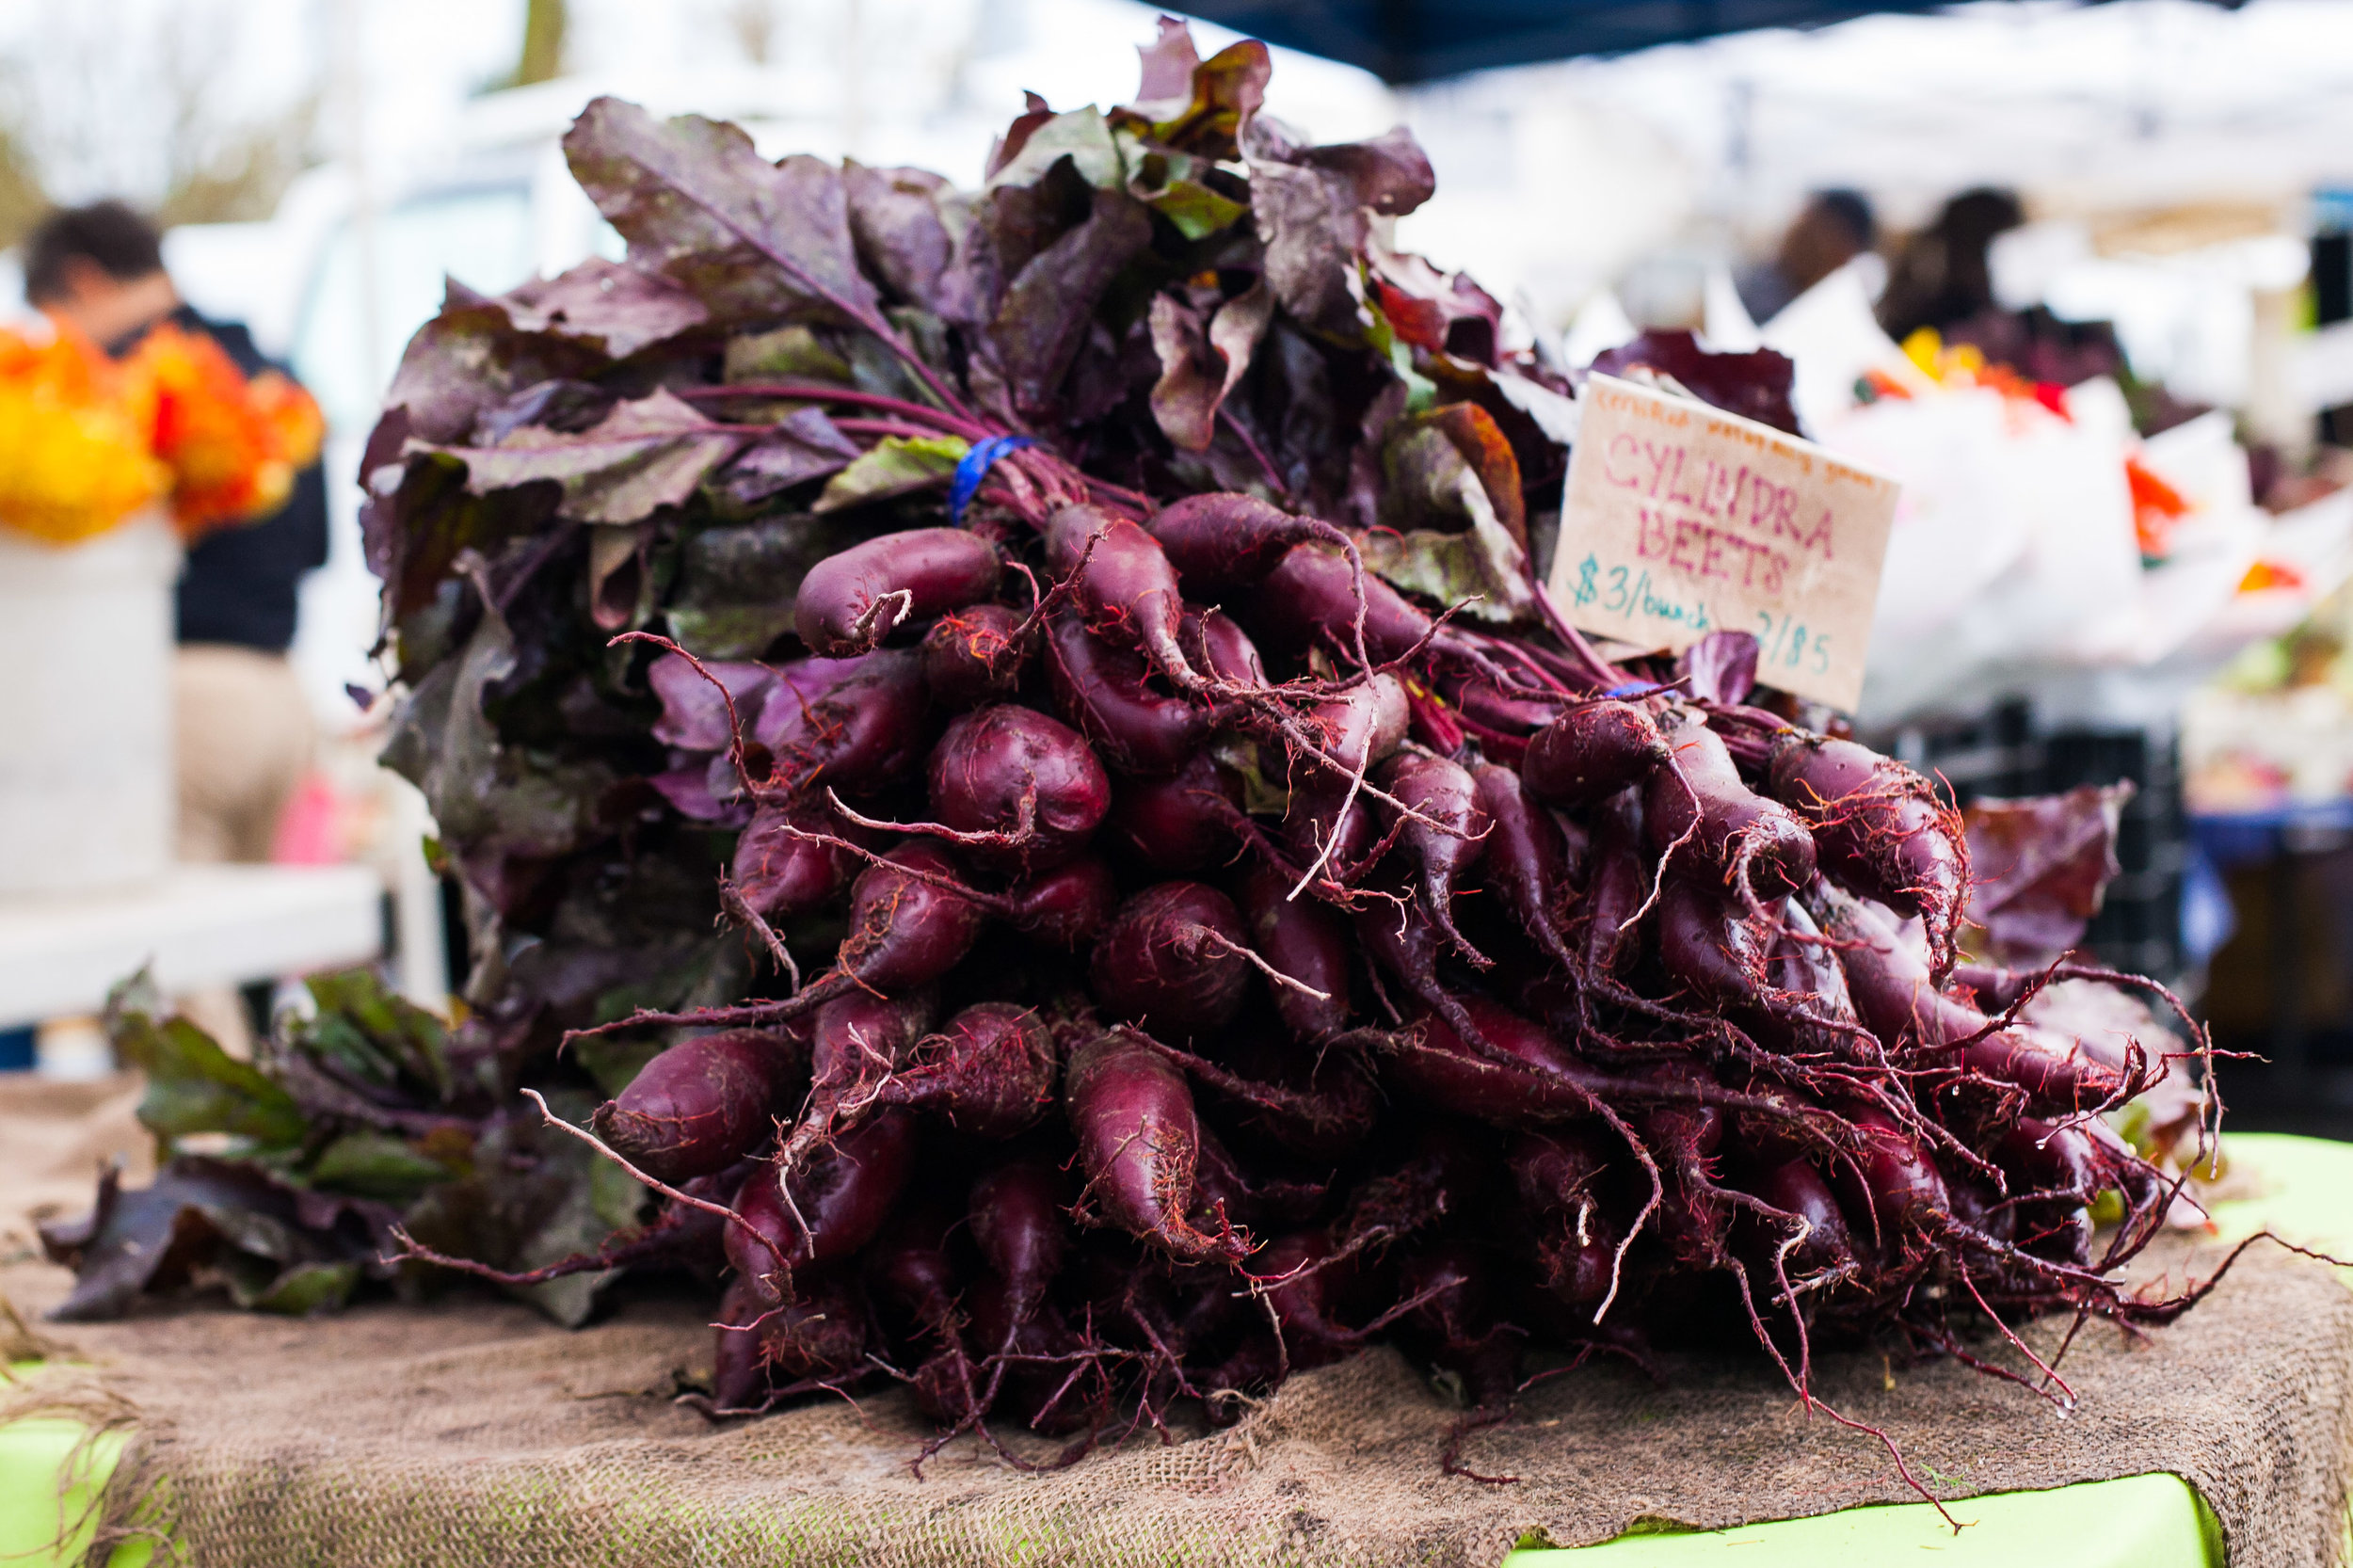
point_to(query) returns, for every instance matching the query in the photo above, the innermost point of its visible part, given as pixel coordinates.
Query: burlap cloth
(472, 1434)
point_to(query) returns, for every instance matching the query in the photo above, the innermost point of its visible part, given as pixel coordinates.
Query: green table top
(50, 1472)
(49, 1468)
(2137, 1522)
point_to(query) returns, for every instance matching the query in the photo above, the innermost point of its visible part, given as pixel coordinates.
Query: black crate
(2138, 928)
(2004, 752)
(1996, 753)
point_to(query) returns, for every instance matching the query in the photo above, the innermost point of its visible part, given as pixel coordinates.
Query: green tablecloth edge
(2163, 1521)
(52, 1471)
(2150, 1521)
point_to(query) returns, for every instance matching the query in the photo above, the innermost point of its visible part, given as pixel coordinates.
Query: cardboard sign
(1681, 519)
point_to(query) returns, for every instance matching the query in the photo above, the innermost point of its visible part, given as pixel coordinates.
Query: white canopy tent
(2143, 103)
(2114, 109)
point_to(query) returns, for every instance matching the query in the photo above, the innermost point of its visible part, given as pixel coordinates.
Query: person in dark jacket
(1832, 229)
(1945, 275)
(244, 728)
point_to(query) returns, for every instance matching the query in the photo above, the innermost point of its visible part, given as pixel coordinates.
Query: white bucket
(85, 755)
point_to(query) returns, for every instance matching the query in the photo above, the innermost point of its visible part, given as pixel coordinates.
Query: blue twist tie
(1633, 688)
(974, 467)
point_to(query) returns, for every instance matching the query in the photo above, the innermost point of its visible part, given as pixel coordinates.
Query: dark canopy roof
(1419, 41)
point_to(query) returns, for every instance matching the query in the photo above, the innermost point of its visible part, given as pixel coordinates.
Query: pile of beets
(1189, 905)
(1560, 1006)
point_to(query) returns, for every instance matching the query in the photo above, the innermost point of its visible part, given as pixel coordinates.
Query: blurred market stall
(107, 468)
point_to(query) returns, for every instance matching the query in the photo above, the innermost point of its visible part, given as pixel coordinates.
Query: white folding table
(197, 926)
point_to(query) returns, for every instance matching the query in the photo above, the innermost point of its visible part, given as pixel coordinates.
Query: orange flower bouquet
(74, 455)
(233, 444)
(85, 442)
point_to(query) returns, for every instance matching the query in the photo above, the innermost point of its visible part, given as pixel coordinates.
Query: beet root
(907, 931)
(1445, 836)
(780, 871)
(1361, 727)
(1215, 644)
(1173, 960)
(1881, 828)
(1020, 1223)
(700, 1106)
(1313, 1106)
(1067, 908)
(975, 655)
(1140, 1145)
(853, 599)
(818, 1339)
(858, 1041)
(1182, 824)
(989, 1072)
(739, 1378)
(1795, 1186)
(1591, 752)
(1530, 1080)
(1560, 1175)
(1125, 585)
(1223, 541)
(1620, 886)
(1710, 946)
(1901, 1185)
(1757, 845)
(1893, 995)
(838, 1201)
(1311, 600)
(1020, 788)
(1304, 943)
(910, 1270)
(848, 725)
(1526, 859)
(1107, 692)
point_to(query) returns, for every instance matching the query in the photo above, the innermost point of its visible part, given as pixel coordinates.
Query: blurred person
(1944, 276)
(1832, 229)
(242, 727)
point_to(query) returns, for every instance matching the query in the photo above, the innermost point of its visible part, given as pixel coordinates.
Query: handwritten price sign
(1681, 519)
